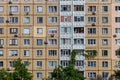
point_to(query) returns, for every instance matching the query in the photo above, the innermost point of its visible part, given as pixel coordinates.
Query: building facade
(44, 32)
(72, 36)
(29, 30)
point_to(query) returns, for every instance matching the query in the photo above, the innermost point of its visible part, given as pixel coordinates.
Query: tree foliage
(90, 56)
(20, 72)
(69, 72)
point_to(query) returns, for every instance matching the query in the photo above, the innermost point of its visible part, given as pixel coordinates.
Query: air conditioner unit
(9, 68)
(7, 21)
(1, 46)
(52, 35)
(16, 35)
(93, 24)
(27, 13)
(45, 42)
(93, 13)
(10, 2)
(114, 35)
(10, 13)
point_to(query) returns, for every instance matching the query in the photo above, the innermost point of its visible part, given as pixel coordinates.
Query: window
(13, 53)
(105, 75)
(117, 30)
(39, 75)
(117, 8)
(13, 42)
(13, 30)
(39, 42)
(91, 63)
(52, 30)
(104, 64)
(80, 52)
(39, 64)
(65, 7)
(78, 41)
(1, 30)
(79, 63)
(52, 19)
(39, 19)
(104, 42)
(14, 9)
(26, 31)
(65, 41)
(13, 19)
(65, 52)
(11, 63)
(91, 20)
(65, 30)
(26, 8)
(26, 52)
(1, 19)
(78, 18)
(26, 19)
(26, 63)
(52, 52)
(91, 8)
(1, 52)
(52, 8)
(117, 53)
(39, 8)
(39, 52)
(52, 64)
(104, 19)
(117, 19)
(92, 75)
(92, 41)
(26, 41)
(117, 64)
(104, 31)
(1, 41)
(39, 30)
(78, 30)
(64, 63)
(52, 42)
(117, 41)
(91, 30)
(104, 52)
(104, 8)
(78, 7)
(65, 18)
(1, 63)
(1, 8)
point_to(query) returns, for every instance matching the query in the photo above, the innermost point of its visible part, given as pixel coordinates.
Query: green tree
(20, 72)
(69, 72)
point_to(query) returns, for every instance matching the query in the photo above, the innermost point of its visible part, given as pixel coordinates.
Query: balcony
(78, 35)
(64, 57)
(82, 13)
(78, 46)
(76, 24)
(80, 57)
(65, 35)
(67, 24)
(65, 13)
(79, 2)
(65, 2)
(80, 68)
(66, 46)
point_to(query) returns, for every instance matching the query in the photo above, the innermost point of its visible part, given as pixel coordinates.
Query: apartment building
(29, 30)
(98, 37)
(72, 32)
(115, 34)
